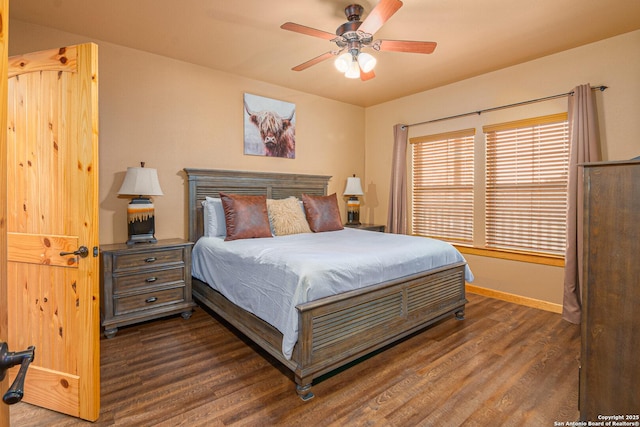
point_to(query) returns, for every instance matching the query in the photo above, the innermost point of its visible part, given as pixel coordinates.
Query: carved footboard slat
(343, 325)
(441, 292)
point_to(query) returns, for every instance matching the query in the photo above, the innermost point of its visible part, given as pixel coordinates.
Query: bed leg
(460, 315)
(304, 392)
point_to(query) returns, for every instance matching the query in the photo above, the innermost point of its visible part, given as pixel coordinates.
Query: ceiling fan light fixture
(354, 35)
(342, 62)
(366, 61)
(353, 72)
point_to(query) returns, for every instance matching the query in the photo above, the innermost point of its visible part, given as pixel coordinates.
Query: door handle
(9, 359)
(82, 251)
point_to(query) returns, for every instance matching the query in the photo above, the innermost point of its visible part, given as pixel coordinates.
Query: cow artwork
(269, 127)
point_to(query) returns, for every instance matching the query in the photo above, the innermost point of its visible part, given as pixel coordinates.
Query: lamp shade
(141, 181)
(353, 71)
(354, 188)
(342, 62)
(366, 61)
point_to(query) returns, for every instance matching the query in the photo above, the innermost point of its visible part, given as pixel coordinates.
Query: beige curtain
(584, 147)
(397, 216)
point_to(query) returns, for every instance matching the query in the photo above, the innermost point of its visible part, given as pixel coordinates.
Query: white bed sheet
(269, 277)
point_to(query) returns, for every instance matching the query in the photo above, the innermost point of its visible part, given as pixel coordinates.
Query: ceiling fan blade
(379, 15)
(307, 30)
(313, 61)
(366, 76)
(407, 46)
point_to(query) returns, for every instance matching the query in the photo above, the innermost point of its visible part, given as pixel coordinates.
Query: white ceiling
(244, 36)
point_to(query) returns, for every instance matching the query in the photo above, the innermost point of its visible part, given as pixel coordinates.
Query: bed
(336, 329)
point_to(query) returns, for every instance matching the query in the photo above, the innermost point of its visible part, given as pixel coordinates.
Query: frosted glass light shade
(141, 181)
(354, 187)
(342, 62)
(353, 72)
(367, 62)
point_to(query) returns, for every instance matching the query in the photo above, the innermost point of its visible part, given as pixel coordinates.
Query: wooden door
(52, 203)
(4, 47)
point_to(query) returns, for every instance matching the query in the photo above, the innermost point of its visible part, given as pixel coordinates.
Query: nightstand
(369, 227)
(144, 281)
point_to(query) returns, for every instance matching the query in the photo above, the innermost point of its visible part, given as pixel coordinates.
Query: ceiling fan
(354, 35)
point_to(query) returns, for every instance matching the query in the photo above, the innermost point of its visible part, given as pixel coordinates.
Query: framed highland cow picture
(269, 127)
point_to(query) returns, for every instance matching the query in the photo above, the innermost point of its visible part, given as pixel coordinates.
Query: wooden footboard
(339, 329)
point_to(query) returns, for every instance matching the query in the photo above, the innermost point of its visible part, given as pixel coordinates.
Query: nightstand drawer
(155, 277)
(148, 300)
(147, 259)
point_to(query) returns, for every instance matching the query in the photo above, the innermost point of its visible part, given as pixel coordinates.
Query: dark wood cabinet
(144, 281)
(610, 330)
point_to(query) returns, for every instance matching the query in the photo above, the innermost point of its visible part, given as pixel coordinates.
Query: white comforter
(269, 277)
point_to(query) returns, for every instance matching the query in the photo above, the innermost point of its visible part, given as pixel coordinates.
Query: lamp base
(353, 211)
(141, 238)
(141, 221)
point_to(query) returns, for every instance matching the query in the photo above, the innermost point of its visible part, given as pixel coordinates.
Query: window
(442, 191)
(526, 184)
(516, 203)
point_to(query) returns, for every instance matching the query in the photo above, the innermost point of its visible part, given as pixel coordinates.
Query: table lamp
(353, 190)
(140, 182)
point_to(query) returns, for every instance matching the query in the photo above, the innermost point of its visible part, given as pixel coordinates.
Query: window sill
(555, 261)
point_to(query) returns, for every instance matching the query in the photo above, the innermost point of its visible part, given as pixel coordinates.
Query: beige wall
(173, 115)
(614, 62)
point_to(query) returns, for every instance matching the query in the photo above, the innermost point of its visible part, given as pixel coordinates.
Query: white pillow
(214, 222)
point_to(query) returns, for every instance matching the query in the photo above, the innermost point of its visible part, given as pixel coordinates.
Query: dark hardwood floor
(504, 364)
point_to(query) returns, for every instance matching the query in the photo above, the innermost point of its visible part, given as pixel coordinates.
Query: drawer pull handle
(151, 279)
(150, 300)
(151, 259)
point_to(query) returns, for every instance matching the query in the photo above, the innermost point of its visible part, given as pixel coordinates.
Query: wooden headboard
(210, 182)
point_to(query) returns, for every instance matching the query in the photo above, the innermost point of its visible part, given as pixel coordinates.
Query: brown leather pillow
(245, 216)
(322, 212)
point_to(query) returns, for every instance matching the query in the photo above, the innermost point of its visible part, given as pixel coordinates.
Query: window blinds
(442, 192)
(526, 184)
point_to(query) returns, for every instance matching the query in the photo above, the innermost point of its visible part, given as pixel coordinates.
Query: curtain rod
(502, 107)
